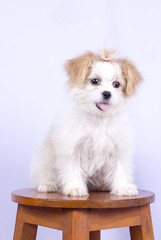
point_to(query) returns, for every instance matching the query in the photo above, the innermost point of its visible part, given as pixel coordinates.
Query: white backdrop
(36, 37)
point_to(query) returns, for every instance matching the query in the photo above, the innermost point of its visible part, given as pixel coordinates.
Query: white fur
(88, 149)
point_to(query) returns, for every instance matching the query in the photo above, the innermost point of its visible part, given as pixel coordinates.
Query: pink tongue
(103, 106)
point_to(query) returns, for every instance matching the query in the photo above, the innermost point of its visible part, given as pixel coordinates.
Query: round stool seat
(32, 197)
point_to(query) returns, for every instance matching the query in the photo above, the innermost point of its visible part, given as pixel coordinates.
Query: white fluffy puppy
(90, 147)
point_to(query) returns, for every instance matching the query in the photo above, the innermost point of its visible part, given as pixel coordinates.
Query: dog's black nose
(106, 95)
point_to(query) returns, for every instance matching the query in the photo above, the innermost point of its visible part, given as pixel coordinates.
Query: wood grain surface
(32, 197)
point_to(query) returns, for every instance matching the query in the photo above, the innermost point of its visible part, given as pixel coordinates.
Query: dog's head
(102, 83)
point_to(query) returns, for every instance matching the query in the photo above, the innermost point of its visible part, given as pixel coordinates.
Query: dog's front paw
(126, 189)
(76, 192)
(47, 188)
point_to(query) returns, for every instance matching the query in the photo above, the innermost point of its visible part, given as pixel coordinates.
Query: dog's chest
(96, 150)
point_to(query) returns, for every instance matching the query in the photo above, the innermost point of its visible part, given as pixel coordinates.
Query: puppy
(90, 147)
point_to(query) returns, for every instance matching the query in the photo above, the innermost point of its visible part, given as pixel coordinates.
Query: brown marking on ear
(77, 68)
(131, 76)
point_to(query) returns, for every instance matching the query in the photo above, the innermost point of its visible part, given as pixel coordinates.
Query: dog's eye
(116, 84)
(95, 81)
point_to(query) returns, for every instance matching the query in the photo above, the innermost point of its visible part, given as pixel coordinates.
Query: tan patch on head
(131, 75)
(107, 54)
(77, 68)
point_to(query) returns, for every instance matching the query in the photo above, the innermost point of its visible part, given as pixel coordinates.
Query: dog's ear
(131, 75)
(77, 68)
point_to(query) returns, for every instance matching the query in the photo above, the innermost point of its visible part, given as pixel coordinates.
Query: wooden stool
(82, 218)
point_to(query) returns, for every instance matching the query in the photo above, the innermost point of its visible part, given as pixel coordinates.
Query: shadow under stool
(82, 218)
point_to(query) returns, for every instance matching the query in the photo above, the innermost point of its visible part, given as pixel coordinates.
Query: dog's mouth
(103, 106)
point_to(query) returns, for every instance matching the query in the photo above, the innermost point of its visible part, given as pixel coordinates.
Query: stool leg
(76, 225)
(23, 231)
(136, 233)
(145, 231)
(95, 235)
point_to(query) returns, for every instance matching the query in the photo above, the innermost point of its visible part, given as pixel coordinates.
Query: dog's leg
(43, 172)
(72, 181)
(121, 185)
(47, 187)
